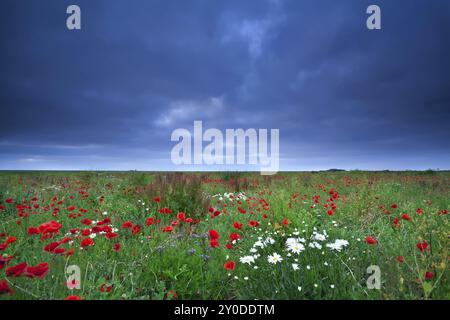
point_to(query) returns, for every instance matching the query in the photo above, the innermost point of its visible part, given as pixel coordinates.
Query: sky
(108, 96)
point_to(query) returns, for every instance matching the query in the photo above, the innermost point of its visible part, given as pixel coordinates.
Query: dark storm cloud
(108, 96)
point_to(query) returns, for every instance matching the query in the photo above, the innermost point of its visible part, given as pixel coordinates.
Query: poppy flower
(237, 225)
(168, 229)
(214, 243)
(4, 287)
(127, 225)
(253, 223)
(116, 247)
(330, 212)
(242, 210)
(73, 298)
(32, 230)
(16, 270)
(136, 229)
(406, 217)
(230, 265)
(87, 242)
(396, 222)
(9, 200)
(157, 199)
(428, 275)
(70, 252)
(165, 210)
(7, 242)
(394, 206)
(419, 211)
(371, 240)
(181, 216)
(149, 221)
(71, 208)
(4, 261)
(234, 237)
(38, 271)
(86, 222)
(422, 246)
(213, 234)
(285, 222)
(111, 235)
(51, 247)
(400, 259)
(50, 228)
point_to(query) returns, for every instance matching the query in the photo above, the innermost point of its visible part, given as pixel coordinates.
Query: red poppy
(181, 216)
(4, 287)
(9, 200)
(38, 271)
(406, 217)
(234, 237)
(70, 252)
(4, 261)
(32, 230)
(86, 222)
(116, 247)
(237, 225)
(241, 210)
(150, 221)
(230, 265)
(48, 229)
(127, 225)
(157, 199)
(429, 275)
(111, 235)
(168, 229)
(8, 241)
(330, 212)
(396, 222)
(71, 208)
(73, 298)
(371, 240)
(214, 243)
(213, 235)
(253, 223)
(136, 229)
(400, 259)
(422, 246)
(285, 221)
(87, 242)
(51, 247)
(165, 210)
(16, 270)
(394, 206)
(419, 211)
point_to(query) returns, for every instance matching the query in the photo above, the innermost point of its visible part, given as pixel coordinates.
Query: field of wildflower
(134, 235)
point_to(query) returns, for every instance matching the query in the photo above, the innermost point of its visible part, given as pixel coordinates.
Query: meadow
(136, 235)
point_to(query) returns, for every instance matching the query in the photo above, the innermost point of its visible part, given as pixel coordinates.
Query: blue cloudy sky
(109, 95)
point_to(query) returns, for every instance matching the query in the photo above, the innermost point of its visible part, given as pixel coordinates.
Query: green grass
(181, 264)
